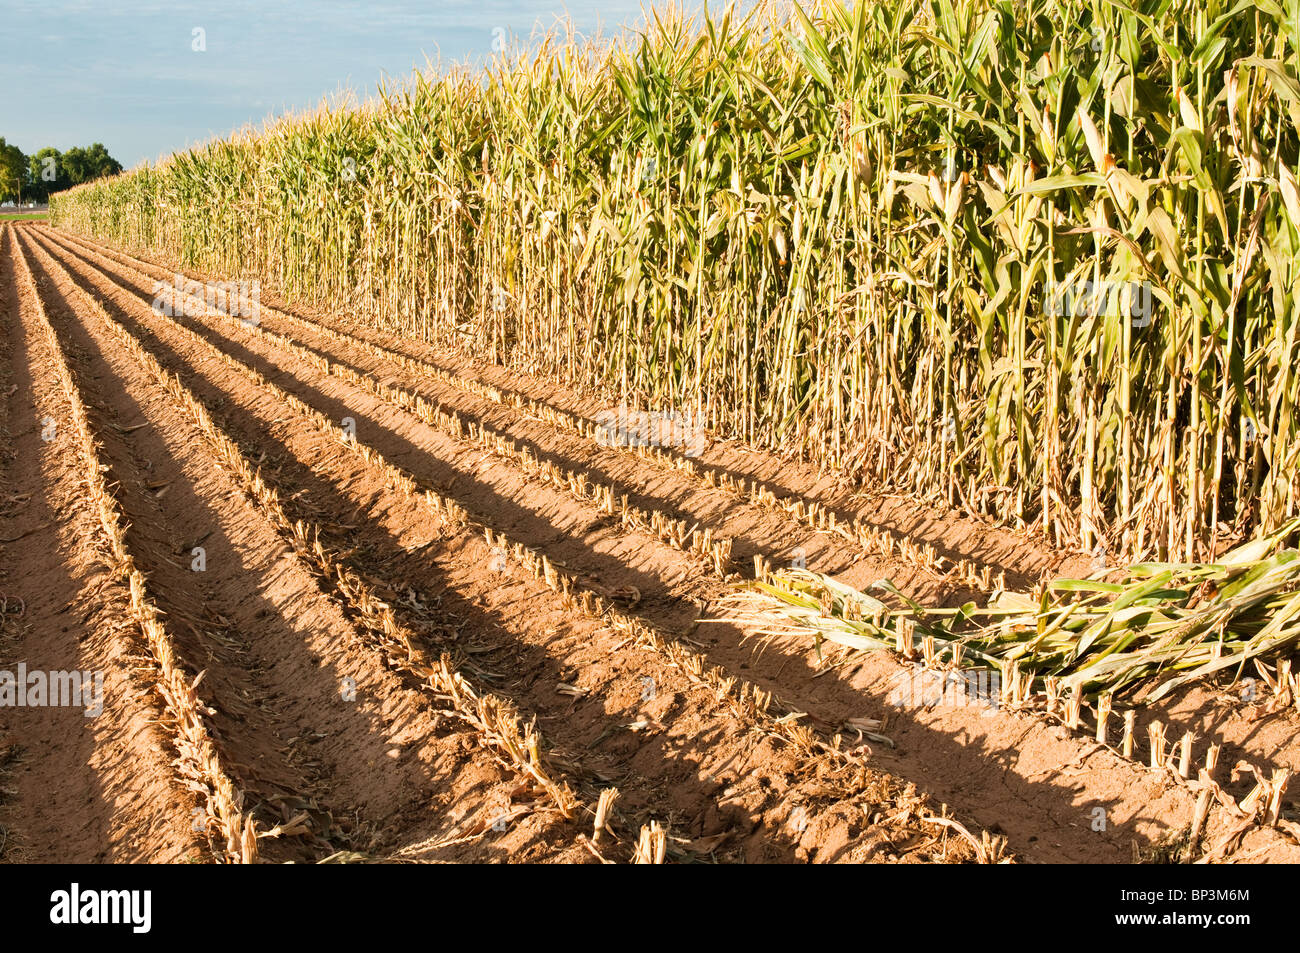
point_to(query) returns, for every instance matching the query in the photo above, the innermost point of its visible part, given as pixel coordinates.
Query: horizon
(131, 78)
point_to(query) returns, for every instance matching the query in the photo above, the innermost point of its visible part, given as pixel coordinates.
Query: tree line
(34, 178)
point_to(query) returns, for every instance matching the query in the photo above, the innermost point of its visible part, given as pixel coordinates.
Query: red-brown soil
(639, 694)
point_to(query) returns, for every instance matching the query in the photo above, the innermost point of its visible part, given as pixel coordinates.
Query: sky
(125, 73)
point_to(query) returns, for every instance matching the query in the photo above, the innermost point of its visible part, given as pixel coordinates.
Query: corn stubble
(201, 766)
(843, 768)
(501, 726)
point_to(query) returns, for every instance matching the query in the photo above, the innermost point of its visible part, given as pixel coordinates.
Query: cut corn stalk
(1158, 628)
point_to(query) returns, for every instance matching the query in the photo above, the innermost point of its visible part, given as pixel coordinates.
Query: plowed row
(437, 618)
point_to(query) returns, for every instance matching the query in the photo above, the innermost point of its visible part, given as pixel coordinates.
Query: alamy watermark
(652, 428)
(186, 297)
(131, 908)
(1131, 299)
(920, 687)
(55, 689)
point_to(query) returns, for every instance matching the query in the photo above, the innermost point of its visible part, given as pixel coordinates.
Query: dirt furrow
(651, 477)
(489, 715)
(1033, 770)
(999, 763)
(74, 786)
(690, 704)
(336, 752)
(668, 594)
(200, 765)
(604, 540)
(896, 526)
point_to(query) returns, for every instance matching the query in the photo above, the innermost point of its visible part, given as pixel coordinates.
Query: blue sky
(124, 73)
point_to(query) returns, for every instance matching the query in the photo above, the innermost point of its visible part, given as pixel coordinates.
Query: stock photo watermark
(187, 297)
(1131, 299)
(920, 687)
(37, 688)
(75, 906)
(624, 427)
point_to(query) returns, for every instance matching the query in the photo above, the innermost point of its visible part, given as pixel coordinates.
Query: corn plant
(1037, 261)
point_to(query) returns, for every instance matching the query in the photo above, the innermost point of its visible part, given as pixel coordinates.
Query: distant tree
(46, 174)
(82, 165)
(13, 172)
(36, 177)
(74, 165)
(101, 163)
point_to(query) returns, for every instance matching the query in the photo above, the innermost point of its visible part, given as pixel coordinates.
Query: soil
(338, 745)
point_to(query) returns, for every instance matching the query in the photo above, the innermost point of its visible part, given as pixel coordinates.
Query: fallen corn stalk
(1161, 626)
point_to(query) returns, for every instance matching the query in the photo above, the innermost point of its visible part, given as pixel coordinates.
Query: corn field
(839, 233)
